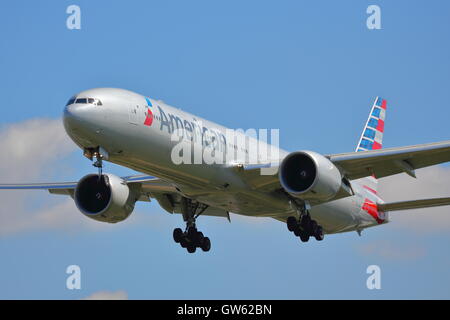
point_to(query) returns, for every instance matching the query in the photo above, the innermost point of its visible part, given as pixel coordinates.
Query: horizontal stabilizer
(414, 204)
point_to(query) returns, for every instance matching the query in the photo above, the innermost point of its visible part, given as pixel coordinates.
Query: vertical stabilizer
(372, 137)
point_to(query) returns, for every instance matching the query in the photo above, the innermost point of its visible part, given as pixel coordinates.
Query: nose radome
(74, 112)
(72, 121)
(78, 116)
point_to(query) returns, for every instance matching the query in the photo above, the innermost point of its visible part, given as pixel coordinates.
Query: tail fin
(372, 137)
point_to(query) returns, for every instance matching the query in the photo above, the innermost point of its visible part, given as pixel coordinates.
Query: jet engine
(105, 198)
(310, 176)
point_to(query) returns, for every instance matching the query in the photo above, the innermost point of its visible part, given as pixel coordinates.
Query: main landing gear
(191, 238)
(305, 227)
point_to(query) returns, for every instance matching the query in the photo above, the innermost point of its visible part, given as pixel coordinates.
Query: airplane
(313, 194)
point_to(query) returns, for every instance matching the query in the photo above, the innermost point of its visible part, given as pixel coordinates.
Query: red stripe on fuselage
(372, 209)
(371, 190)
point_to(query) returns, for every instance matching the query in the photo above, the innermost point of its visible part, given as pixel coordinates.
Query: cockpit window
(71, 101)
(95, 102)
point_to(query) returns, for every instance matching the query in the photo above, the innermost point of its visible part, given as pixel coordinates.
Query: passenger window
(82, 100)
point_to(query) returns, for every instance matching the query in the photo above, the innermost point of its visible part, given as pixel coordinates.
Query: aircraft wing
(66, 188)
(150, 187)
(390, 161)
(414, 204)
(355, 165)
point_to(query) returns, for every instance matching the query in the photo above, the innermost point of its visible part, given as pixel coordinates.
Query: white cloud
(392, 251)
(30, 148)
(432, 182)
(108, 295)
(56, 214)
(30, 152)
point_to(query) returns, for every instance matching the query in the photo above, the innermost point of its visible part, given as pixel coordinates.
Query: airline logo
(373, 134)
(149, 115)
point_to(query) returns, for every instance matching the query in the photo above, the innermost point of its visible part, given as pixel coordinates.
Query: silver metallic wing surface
(65, 188)
(149, 187)
(414, 204)
(148, 184)
(390, 161)
(257, 178)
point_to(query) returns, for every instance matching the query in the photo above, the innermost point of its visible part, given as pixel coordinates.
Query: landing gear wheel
(319, 234)
(192, 233)
(191, 248)
(206, 244)
(305, 222)
(184, 242)
(313, 227)
(199, 239)
(177, 235)
(304, 237)
(292, 223)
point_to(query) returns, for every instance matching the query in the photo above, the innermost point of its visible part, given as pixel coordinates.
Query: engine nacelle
(310, 176)
(105, 199)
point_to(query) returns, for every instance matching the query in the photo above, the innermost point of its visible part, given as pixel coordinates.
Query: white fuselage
(121, 126)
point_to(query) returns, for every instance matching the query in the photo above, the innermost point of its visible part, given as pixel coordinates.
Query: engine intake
(106, 199)
(310, 176)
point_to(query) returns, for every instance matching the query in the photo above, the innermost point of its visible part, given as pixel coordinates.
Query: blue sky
(310, 68)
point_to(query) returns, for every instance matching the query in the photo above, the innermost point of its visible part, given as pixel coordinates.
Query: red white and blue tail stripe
(372, 138)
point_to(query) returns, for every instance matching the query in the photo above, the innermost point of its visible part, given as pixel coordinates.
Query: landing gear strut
(304, 227)
(99, 154)
(98, 163)
(191, 238)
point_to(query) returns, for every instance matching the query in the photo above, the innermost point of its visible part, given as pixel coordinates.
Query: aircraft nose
(84, 118)
(73, 115)
(79, 116)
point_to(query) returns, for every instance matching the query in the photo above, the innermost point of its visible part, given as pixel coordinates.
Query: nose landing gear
(191, 238)
(98, 163)
(99, 154)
